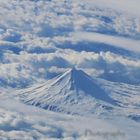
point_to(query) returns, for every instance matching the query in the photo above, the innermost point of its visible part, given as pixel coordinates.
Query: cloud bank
(41, 39)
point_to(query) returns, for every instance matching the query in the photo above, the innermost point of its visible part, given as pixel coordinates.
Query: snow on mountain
(73, 92)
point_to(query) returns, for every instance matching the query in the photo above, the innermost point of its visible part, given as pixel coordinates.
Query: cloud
(26, 67)
(128, 44)
(40, 39)
(11, 36)
(131, 7)
(18, 126)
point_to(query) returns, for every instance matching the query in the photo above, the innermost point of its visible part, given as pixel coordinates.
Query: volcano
(70, 92)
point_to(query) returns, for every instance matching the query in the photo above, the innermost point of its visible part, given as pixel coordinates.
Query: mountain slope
(72, 92)
(75, 92)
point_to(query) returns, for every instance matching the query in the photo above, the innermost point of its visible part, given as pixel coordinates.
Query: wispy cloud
(128, 44)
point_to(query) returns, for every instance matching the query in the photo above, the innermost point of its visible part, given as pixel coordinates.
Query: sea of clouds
(41, 39)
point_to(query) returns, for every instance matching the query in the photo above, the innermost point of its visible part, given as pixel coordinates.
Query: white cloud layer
(128, 44)
(131, 7)
(19, 121)
(40, 39)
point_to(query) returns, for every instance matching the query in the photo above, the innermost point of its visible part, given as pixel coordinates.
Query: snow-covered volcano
(70, 92)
